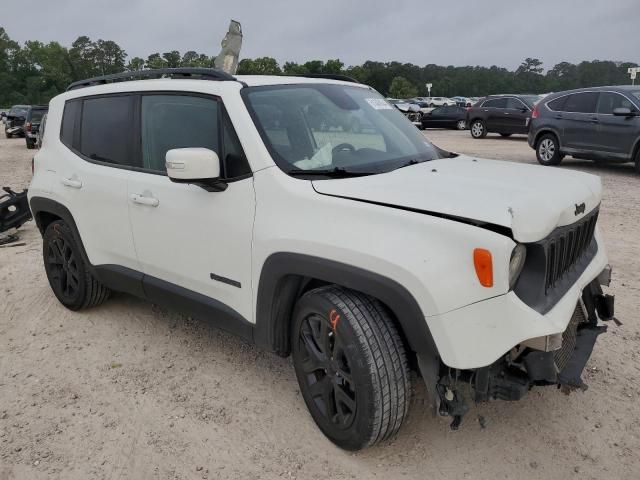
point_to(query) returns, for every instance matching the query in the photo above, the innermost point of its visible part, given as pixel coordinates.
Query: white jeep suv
(364, 252)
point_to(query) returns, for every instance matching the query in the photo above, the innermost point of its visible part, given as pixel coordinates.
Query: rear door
(494, 110)
(616, 134)
(91, 176)
(581, 121)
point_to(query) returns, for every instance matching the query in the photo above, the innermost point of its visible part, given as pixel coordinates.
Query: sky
(460, 32)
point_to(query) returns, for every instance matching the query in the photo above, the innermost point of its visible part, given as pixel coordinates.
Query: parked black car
(503, 114)
(445, 117)
(32, 124)
(15, 120)
(601, 124)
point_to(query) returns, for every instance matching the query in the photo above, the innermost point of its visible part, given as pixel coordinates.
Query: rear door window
(106, 130)
(582, 102)
(609, 101)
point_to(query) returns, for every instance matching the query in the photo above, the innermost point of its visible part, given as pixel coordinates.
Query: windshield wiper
(337, 172)
(413, 161)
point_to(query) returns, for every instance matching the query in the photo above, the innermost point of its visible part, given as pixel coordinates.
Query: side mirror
(199, 166)
(623, 112)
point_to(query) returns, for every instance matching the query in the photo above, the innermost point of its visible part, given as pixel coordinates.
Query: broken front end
(558, 360)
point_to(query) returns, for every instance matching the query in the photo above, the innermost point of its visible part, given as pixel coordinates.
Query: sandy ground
(132, 391)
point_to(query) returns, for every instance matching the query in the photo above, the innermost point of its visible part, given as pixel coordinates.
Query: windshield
(18, 112)
(327, 127)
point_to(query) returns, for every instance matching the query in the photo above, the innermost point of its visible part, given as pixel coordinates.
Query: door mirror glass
(623, 112)
(191, 164)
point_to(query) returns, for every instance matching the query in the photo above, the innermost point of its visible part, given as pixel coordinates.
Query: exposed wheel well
(44, 219)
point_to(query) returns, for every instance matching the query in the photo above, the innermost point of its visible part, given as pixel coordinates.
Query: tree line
(35, 72)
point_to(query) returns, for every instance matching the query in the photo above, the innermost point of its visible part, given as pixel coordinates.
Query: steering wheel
(343, 147)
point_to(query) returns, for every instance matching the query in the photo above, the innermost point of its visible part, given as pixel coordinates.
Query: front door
(517, 116)
(190, 238)
(615, 133)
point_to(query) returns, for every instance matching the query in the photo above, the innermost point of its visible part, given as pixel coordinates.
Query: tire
(505, 135)
(367, 369)
(7, 134)
(72, 283)
(637, 160)
(461, 125)
(432, 105)
(478, 129)
(548, 150)
(30, 145)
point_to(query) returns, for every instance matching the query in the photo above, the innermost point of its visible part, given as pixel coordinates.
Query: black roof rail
(328, 76)
(194, 73)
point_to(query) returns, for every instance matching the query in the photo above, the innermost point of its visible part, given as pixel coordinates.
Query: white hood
(531, 200)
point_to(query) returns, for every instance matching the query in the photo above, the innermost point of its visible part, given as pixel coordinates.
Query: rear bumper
(479, 334)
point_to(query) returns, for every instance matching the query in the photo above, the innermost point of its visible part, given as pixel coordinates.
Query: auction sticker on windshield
(379, 103)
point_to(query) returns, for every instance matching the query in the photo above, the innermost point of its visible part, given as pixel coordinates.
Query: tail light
(28, 126)
(536, 112)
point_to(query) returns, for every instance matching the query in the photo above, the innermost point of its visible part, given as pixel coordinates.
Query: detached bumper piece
(14, 209)
(548, 363)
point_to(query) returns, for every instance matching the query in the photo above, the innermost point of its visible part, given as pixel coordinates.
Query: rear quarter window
(70, 118)
(557, 105)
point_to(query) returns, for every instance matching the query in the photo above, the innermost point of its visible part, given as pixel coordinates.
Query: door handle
(70, 182)
(142, 200)
(594, 120)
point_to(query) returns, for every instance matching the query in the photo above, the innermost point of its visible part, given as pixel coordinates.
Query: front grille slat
(566, 247)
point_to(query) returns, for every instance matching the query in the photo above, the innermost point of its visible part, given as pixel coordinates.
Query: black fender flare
(276, 297)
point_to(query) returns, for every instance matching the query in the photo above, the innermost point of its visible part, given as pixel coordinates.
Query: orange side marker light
(483, 262)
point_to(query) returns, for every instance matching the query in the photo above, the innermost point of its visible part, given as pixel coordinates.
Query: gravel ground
(132, 391)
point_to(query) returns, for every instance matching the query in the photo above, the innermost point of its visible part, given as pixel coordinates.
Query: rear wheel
(637, 161)
(461, 124)
(7, 134)
(478, 129)
(30, 145)
(68, 275)
(351, 366)
(548, 150)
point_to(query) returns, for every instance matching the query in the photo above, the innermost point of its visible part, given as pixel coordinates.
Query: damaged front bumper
(556, 359)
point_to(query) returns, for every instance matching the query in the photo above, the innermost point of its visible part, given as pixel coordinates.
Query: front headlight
(516, 263)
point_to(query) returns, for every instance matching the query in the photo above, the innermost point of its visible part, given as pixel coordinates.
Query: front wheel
(351, 366)
(637, 161)
(548, 150)
(478, 129)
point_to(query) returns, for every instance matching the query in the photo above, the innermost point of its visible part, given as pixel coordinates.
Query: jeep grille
(567, 246)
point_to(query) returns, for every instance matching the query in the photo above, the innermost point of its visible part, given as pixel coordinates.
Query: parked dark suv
(601, 124)
(32, 124)
(503, 114)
